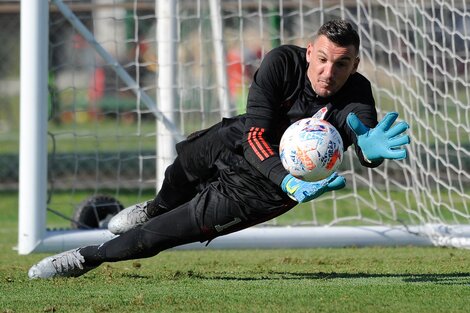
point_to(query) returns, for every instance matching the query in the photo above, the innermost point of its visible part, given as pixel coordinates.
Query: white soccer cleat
(129, 218)
(66, 264)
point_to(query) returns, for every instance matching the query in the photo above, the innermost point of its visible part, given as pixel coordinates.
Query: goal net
(126, 79)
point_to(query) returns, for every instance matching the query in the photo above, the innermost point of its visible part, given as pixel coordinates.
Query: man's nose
(328, 70)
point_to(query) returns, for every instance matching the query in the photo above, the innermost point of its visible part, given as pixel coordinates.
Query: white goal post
(108, 87)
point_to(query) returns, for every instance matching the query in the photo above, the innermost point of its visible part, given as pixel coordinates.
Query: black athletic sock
(92, 255)
(156, 207)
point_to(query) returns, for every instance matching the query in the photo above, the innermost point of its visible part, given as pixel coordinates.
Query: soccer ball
(311, 149)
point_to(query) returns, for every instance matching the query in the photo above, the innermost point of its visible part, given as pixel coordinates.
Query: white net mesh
(415, 53)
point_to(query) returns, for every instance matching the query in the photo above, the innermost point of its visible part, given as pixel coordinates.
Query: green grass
(405, 279)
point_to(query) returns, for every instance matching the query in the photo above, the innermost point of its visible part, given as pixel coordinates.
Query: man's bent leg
(209, 214)
(176, 190)
(165, 231)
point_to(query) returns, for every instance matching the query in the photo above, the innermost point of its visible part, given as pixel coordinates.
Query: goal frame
(32, 233)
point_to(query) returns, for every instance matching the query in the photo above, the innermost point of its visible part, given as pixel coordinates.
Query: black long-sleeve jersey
(281, 94)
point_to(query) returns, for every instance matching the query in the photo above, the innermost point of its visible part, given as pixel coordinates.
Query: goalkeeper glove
(381, 142)
(302, 191)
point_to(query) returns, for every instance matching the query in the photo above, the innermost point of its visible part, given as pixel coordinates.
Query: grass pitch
(405, 279)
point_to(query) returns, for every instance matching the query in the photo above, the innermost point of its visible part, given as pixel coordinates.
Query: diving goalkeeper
(230, 177)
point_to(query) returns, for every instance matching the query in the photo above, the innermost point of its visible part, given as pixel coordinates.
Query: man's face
(330, 65)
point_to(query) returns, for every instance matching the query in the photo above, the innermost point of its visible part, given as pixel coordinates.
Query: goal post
(131, 77)
(33, 125)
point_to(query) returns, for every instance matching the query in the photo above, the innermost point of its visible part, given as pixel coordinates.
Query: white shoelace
(138, 214)
(68, 261)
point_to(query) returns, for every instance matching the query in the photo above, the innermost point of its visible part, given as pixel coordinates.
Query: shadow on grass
(441, 279)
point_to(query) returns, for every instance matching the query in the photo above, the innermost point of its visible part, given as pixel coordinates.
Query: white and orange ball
(311, 149)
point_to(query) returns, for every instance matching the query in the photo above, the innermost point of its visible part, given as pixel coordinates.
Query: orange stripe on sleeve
(253, 146)
(259, 144)
(266, 146)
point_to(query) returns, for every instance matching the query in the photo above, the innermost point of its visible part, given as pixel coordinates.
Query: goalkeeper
(230, 177)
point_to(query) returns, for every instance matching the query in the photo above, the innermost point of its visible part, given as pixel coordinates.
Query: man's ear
(356, 65)
(309, 52)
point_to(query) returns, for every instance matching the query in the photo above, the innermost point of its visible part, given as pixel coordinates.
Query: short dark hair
(340, 32)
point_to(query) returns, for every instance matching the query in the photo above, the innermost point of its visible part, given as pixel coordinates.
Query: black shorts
(229, 194)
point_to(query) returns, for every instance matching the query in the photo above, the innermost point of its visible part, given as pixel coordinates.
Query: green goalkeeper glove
(302, 191)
